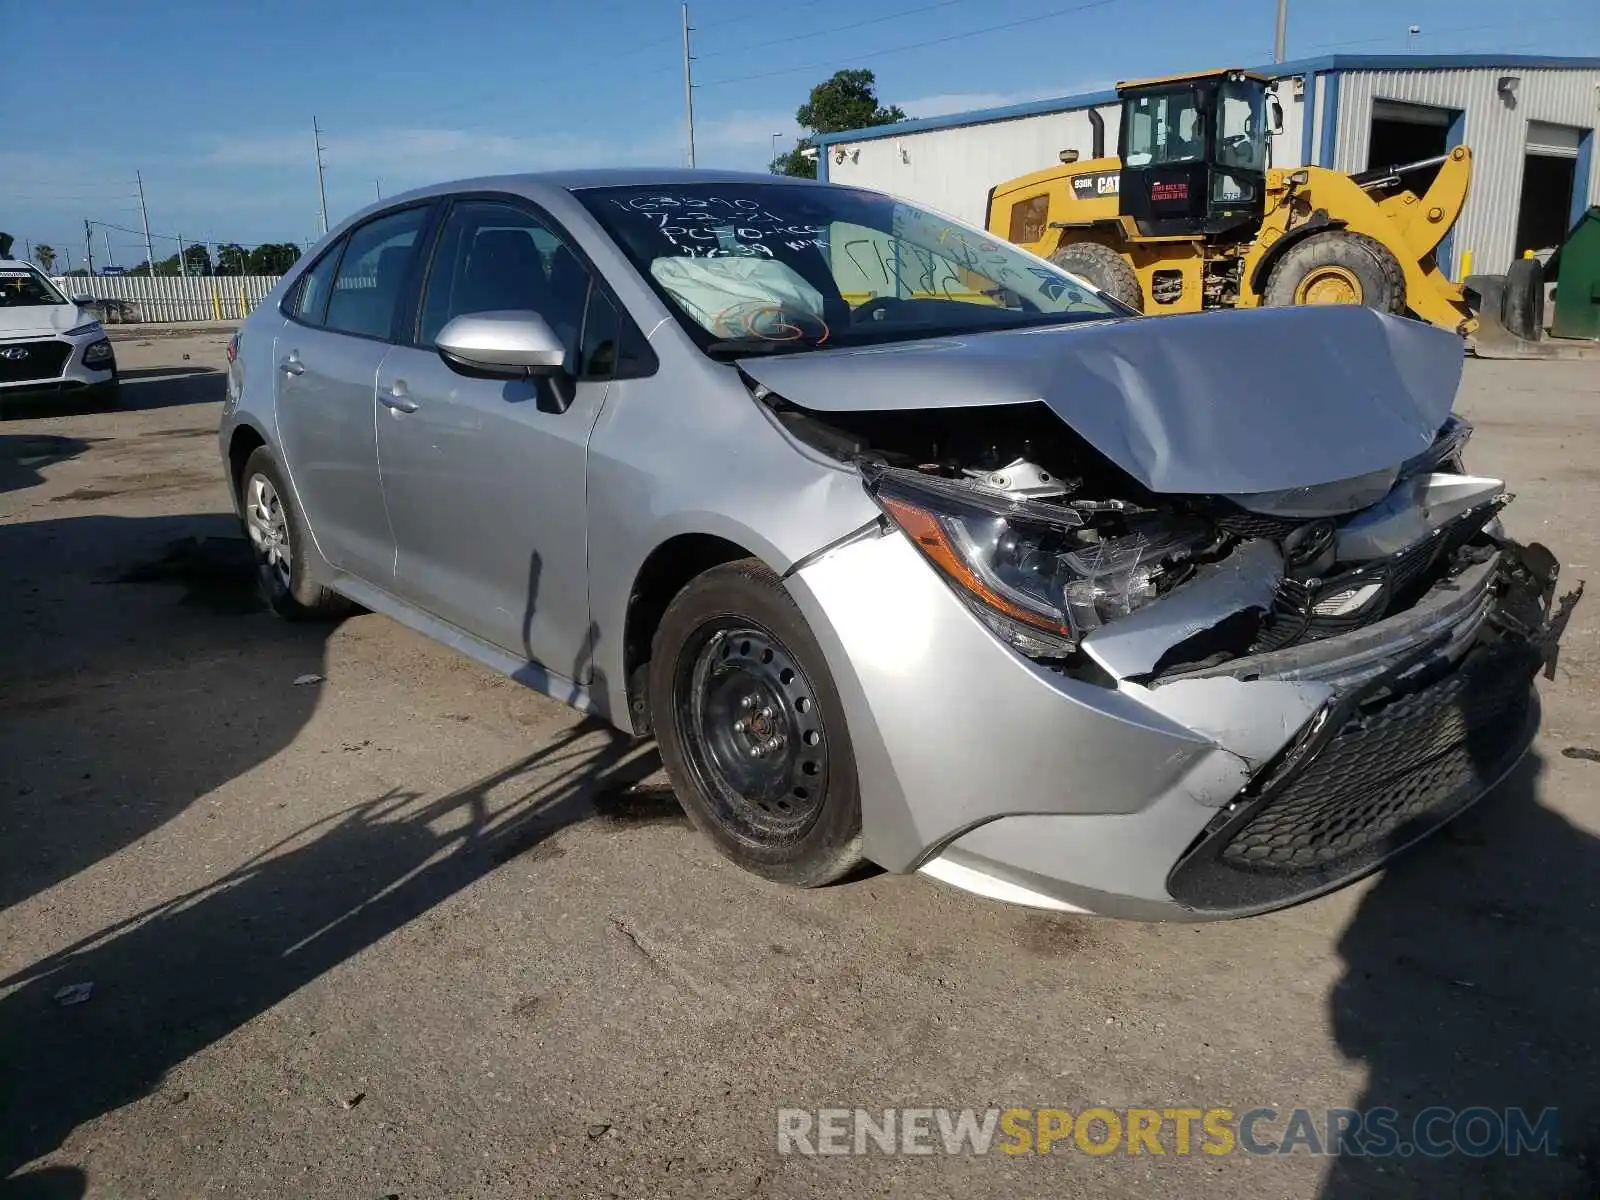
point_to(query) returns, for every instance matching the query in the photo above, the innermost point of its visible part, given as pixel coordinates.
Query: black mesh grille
(1391, 772)
(1256, 525)
(39, 360)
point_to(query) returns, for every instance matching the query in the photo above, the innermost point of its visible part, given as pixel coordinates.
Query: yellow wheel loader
(1189, 215)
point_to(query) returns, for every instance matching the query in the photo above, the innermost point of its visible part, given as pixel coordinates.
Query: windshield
(1164, 127)
(768, 268)
(23, 287)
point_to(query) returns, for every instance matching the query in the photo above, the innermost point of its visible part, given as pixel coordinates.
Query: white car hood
(41, 320)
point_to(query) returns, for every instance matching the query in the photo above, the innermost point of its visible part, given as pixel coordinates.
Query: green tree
(196, 260)
(232, 259)
(848, 100)
(45, 255)
(273, 258)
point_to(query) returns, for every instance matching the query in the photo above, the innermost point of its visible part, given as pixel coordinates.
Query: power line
(888, 50)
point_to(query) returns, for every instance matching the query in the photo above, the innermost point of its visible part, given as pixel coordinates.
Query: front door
(484, 478)
(327, 357)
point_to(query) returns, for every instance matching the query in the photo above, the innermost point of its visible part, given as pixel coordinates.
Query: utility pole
(688, 83)
(149, 250)
(183, 266)
(88, 245)
(105, 235)
(322, 192)
(27, 250)
(377, 186)
(1283, 31)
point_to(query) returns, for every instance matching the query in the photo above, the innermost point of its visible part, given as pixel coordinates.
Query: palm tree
(45, 256)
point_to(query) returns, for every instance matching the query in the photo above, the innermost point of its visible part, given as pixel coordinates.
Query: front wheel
(1337, 267)
(751, 728)
(280, 543)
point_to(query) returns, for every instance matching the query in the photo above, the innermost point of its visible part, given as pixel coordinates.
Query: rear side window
(311, 292)
(372, 274)
(493, 257)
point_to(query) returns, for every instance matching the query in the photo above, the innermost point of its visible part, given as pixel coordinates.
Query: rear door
(341, 318)
(484, 478)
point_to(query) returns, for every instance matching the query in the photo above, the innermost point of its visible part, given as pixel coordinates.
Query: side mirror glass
(510, 344)
(82, 300)
(1274, 115)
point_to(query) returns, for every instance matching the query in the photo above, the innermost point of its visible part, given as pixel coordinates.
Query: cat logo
(1100, 183)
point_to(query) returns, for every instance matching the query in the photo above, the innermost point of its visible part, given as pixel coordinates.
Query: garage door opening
(1408, 133)
(1549, 175)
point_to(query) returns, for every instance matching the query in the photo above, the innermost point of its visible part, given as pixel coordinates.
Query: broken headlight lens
(1446, 450)
(1033, 571)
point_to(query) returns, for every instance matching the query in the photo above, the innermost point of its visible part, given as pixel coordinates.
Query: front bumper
(38, 367)
(1206, 796)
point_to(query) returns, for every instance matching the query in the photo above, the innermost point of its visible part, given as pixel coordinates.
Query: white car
(48, 344)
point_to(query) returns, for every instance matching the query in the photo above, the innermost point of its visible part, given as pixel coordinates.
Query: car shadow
(173, 388)
(23, 457)
(1472, 978)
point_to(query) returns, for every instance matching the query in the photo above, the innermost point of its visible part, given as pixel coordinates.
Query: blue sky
(214, 103)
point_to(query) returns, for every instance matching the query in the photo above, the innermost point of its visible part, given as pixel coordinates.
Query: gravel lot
(413, 931)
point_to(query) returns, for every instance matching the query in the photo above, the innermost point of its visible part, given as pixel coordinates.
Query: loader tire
(1105, 268)
(1338, 267)
(1522, 305)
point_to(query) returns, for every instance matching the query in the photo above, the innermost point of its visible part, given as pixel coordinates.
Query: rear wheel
(751, 728)
(1337, 267)
(1104, 267)
(279, 540)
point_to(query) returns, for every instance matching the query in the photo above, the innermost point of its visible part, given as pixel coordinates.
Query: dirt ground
(407, 930)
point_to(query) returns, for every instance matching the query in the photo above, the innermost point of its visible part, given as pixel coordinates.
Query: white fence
(126, 298)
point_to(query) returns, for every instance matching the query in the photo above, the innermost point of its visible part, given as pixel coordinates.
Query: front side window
(494, 257)
(751, 268)
(23, 287)
(1241, 131)
(372, 274)
(1164, 127)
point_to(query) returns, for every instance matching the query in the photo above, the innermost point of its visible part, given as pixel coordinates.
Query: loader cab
(1194, 153)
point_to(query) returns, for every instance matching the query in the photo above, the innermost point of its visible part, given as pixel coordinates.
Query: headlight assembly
(1035, 572)
(97, 352)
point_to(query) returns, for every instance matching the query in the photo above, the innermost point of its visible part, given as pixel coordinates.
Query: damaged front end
(1364, 649)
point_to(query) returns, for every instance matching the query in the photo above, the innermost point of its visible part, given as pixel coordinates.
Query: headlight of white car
(97, 352)
(1035, 572)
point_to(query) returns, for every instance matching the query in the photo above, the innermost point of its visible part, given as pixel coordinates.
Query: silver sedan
(904, 544)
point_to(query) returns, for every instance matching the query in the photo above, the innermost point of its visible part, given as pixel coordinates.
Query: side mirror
(1274, 115)
(510, 344)
(82, 300)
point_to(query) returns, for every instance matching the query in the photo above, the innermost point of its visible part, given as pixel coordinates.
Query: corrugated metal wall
(171, 297)
(1495, 131)
(952, 170)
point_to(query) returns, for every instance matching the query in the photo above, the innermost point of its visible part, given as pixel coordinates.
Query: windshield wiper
(750, 347)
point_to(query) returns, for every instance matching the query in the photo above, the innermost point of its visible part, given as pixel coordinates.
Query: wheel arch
(244, 441)
(1318, 222)
(665, 572)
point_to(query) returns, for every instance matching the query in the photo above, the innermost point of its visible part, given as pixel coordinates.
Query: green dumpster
(1577, 268)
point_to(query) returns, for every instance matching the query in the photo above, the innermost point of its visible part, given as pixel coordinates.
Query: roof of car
(596, 177)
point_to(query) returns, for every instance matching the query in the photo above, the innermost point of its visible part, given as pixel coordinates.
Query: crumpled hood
(1263, 400)
(40, 320)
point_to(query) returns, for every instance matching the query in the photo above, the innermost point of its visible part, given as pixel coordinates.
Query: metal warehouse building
(1529, 121)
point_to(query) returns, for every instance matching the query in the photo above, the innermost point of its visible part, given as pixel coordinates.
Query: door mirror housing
(84, 300)
(512, 344)
(1274, 116)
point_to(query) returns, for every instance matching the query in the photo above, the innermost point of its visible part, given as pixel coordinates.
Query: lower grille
(37, 360)
(1392, 771)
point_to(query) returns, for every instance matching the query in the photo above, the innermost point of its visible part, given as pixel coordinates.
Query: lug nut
(748, 702)
(758, 750)
(738, 726)
(773, 744)
(766, 714)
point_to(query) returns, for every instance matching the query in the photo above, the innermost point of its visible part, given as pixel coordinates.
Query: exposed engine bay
(1065, 556)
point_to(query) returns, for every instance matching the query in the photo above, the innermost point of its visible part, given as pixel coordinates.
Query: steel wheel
(1329, 284)
(268, 526)
(752, 732)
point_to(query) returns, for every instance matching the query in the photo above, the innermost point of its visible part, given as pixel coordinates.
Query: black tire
(290, 593)
(1103, 267)
(1522, 302)
(1348, 262)
(792, 815)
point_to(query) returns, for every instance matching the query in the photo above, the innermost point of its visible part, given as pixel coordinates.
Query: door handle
(292, 365)
(398, 399)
